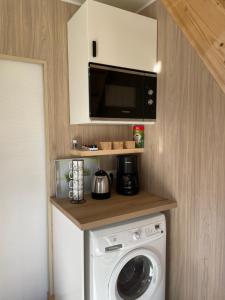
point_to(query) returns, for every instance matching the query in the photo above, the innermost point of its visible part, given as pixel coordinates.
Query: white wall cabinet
(123, 39)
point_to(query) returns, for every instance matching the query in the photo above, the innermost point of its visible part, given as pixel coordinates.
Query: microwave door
(97, 79)
(115, 94)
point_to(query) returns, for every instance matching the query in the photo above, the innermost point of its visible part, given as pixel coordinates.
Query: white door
(136, 276)
(123, 39)
(23, 205)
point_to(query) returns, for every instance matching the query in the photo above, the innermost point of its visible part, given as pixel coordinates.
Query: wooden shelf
(80, 153)
(97, 213)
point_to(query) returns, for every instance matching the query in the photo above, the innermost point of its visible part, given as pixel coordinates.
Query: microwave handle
(94, 48)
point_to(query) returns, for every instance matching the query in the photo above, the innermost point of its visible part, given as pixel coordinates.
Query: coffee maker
(127, 175)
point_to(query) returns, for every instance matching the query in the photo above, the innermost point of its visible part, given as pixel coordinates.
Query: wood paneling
(203, 23)
(37, 29)
(97, 213)
(184, 160)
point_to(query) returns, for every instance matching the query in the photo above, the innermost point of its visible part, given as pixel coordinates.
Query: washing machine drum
(136, 276)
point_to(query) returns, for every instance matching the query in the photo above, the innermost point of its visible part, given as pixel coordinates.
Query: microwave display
(116, 93)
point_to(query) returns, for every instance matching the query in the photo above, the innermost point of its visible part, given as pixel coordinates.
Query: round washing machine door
(136, 276)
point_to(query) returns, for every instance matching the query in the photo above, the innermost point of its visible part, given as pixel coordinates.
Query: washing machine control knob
(136, 235)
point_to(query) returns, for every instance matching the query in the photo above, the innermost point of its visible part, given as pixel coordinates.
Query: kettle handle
(111, 178)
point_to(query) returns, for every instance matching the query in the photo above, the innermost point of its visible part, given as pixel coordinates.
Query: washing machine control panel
(147, 231)
(153, 229)
(137, 235)
(125, 239)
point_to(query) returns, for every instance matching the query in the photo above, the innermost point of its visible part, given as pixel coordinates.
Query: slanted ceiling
(132, 5)
(203, 23)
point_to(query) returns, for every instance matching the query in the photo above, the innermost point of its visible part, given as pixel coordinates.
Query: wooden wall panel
(184, 159)
(37, 29)
(203, 23)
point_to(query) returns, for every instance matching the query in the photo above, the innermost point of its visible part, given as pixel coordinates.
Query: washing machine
(126, 261)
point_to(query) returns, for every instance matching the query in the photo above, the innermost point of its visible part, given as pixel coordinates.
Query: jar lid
(139, 127)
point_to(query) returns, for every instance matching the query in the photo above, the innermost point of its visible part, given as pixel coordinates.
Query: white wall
(23, 204)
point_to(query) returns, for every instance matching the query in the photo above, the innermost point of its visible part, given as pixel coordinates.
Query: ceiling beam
(77, 2)
(72, 2)
(145, 5)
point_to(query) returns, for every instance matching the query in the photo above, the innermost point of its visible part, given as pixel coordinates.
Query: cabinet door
(68, 258)
(122, 38)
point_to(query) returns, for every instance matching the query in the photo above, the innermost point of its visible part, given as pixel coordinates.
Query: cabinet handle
(94, 48)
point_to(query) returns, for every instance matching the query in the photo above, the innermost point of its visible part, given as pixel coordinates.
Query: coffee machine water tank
(127, 175)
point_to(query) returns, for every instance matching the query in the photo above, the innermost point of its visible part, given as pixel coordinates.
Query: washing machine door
(136, 276)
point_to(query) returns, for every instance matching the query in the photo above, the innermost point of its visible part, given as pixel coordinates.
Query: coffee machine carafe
(127, 175)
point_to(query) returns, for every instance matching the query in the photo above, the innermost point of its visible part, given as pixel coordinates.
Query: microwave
(118, 93)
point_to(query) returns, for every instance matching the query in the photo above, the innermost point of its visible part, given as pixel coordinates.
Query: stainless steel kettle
(101, 185)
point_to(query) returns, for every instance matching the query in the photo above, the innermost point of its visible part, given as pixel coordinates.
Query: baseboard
(51, 297)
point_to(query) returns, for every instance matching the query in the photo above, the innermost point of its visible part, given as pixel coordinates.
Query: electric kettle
(101, 185)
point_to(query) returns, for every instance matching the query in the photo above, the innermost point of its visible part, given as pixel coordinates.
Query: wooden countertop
(98, 213)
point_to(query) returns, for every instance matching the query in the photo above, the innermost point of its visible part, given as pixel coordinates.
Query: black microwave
(118, 93)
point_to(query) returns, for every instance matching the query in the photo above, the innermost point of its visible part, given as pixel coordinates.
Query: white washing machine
(126, 261)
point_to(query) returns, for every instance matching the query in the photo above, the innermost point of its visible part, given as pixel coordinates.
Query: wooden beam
(203, 23)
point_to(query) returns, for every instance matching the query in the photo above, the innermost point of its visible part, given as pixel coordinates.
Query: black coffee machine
(127, 175)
